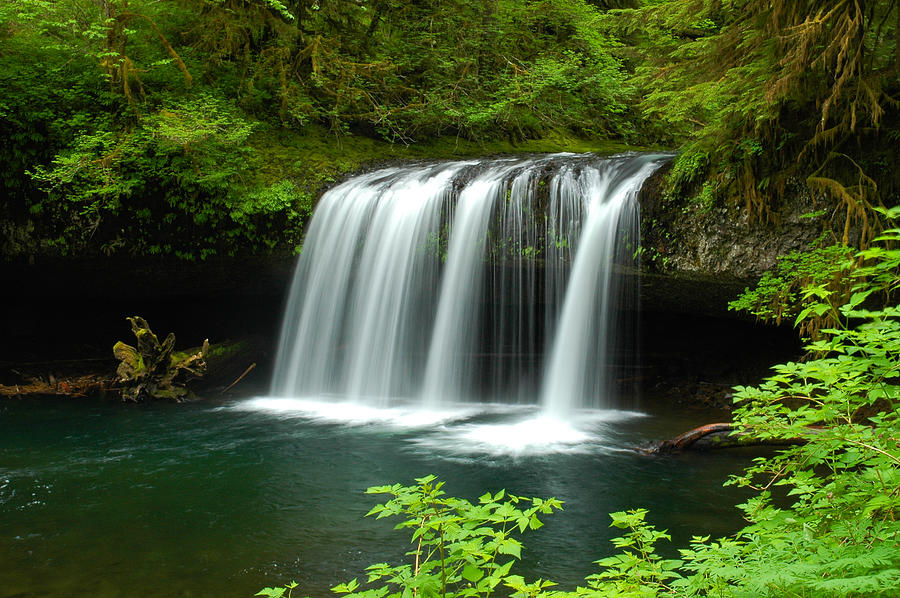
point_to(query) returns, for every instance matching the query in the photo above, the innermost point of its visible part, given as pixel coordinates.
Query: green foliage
(688, 168)
(688, 173)
(637, 571)
(824, 520)
(772, 92)
(141, 122)
(460, 548)
(153, 370)
(278, 592)
(786, 290)
(172, 127)
(47, 91)
(843, 483)
(199, 121)
(180, 180)
(405, 71)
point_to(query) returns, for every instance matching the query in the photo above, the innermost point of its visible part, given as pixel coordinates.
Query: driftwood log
(75, 386)
(227, 367)
(715, 436)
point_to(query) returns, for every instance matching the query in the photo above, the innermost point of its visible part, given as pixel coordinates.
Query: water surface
(223, 498)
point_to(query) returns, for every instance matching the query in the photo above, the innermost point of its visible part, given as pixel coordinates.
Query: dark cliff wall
(64, 308)
(697, 257)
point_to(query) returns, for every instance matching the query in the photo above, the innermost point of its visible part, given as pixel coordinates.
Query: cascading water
(577, 371)
(446, 283)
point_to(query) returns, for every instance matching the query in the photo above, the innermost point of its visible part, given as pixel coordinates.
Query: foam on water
(462, 429)
(353, 412)
(536, 434)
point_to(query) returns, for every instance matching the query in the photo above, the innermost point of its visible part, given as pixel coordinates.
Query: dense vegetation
(823, 517)
(197, 128)
(206, 126)
(759, 93)
(203, 127)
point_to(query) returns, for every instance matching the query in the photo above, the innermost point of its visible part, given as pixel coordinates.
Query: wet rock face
(719, 244)
(720, 241)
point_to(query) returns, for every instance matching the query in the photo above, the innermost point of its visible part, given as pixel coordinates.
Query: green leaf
(472, 573)
(511, 547)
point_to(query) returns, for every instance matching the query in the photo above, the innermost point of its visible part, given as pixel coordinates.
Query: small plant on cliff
(781, 293)
(153, 370)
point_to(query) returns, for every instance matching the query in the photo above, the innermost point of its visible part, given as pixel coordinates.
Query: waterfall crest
(450, 282)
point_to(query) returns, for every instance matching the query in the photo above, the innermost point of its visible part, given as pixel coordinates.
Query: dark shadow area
(696, 359)
(66, 315)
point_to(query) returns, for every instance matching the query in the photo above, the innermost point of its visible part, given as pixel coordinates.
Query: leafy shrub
(839, 536)
(460, 548)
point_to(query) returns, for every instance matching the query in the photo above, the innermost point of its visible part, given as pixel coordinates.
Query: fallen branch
(76, 386)
(239, 378)
(715, 436)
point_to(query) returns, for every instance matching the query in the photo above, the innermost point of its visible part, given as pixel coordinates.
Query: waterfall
(444, 283)
(577, 373)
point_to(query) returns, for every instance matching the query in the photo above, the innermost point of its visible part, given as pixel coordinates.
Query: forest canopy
(201, 127)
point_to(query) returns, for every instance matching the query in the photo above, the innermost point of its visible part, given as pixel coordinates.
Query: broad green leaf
(472, 573)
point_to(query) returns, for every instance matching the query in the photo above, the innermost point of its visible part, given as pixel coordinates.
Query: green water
(220, 499)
